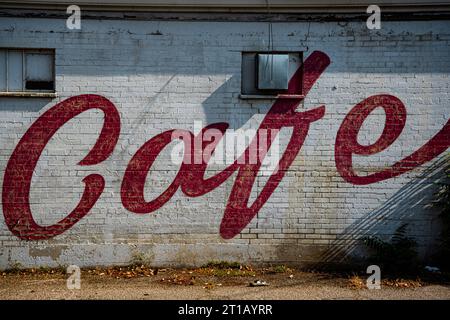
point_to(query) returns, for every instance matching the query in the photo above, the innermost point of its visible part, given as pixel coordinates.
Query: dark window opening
(39, 85)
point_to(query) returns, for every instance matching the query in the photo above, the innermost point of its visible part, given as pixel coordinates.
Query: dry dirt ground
(139, 282)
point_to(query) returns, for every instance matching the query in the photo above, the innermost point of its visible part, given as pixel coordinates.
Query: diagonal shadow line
(401, 207)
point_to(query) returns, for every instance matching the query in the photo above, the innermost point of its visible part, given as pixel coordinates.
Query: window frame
(45, 93)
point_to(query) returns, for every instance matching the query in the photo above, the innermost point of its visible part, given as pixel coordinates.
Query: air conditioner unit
(273, 71)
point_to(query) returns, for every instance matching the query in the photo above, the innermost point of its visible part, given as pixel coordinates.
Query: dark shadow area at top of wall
(151, 47)
(24, 104)
(440, 12)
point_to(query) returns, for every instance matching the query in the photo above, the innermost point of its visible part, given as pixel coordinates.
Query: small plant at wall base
(223, 265)
(396, 256)
(443, 202)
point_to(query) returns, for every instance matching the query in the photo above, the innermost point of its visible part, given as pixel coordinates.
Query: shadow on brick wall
(23, 104)
(411, 205)
(224, 105)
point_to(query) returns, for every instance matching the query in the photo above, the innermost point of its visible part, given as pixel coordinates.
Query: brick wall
(167, 75)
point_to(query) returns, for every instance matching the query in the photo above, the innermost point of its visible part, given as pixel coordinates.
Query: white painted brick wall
(192, 72)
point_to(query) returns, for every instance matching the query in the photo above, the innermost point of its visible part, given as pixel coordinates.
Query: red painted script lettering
(347, 144)
(20, 167)
(190, 178)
